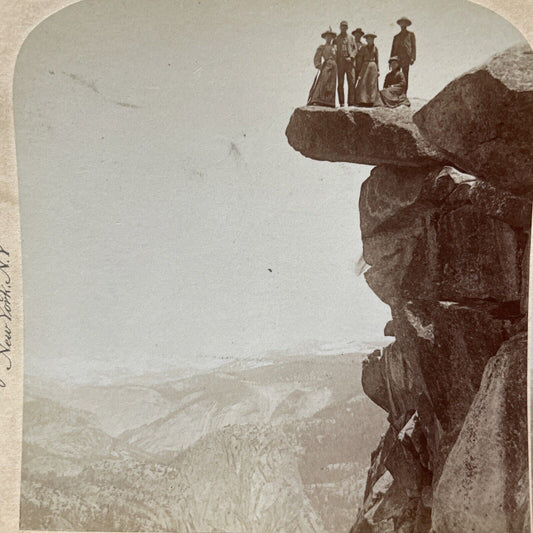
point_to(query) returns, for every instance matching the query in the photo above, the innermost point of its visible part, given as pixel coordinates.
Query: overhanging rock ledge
(449, 252)
(369, 136)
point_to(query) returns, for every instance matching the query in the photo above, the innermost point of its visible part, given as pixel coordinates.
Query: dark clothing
(367, 89)
(394, 90)
(323, 90)
(358, 64)
(404, 46)
(405, 72)
(346, 52)
(346, 67)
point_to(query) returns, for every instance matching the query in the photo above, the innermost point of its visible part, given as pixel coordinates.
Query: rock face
(483, 120)
(442, 235)
(487, 469)
(361, 135)
(449, 253)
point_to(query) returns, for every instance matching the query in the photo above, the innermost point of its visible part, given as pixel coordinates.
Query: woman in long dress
(323, 90)
(367, 88)
(394, 91)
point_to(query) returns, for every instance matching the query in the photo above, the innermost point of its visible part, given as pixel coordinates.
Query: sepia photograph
(275, 264)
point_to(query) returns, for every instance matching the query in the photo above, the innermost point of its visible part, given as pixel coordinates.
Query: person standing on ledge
(323, 90)
(393, 93)
(346, 52)
(358, 33)
(367, 90)
(404, 47)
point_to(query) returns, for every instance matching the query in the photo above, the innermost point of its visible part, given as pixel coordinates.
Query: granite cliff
(445, 220)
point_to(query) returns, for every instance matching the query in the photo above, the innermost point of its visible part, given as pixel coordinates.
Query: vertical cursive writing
(6, 311)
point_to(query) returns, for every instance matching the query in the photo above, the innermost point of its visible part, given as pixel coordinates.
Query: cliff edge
(445, 224)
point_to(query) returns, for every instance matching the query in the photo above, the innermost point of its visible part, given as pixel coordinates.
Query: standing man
(346, 52)
(404, 47)
(358, 33)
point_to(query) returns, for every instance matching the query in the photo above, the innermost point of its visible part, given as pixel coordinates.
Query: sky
(166, 222)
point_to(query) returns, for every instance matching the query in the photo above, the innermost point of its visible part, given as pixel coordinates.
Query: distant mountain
(55, 434)
(115, 408)
(277, 447)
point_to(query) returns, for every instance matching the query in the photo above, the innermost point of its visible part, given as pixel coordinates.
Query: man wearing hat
(346, 52)
(358, 33)
(404, 47)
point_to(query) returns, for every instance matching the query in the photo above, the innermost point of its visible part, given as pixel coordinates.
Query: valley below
(280, 446)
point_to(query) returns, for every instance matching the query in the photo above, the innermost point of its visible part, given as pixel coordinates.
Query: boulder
(400, 385)
(393, 197)
(388, 510)
(374, 381)
(483, 487)
(434, 369)
(444, 348)
(462, 255)
(490, 201)
(406, 468)
(404, 263)
(377, 464)
(479, 257)
(390, 255)
(440, 234)
(412, 436)
(388, 331)
(370, 136)
(398, 490)
(483, 120)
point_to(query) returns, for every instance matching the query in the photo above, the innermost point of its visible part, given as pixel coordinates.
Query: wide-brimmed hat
(394, 58)
(404, 19)
(358, 31)
(328, 32)
(370, 34)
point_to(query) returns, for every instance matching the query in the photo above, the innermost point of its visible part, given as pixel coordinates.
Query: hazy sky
(157, 188)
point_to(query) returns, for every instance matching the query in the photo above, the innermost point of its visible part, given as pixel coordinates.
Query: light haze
(166, 222)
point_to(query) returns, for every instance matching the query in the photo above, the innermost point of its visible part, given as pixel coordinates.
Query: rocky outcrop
(361, 135)
(448, 247)
(442, 235)
(490, 453)
(483, 120)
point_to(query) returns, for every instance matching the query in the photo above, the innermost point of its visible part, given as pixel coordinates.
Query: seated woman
(394, 91)
(323, 90)
(367, 89)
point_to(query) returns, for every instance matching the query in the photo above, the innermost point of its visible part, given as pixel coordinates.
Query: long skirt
(367, 89)
(323, 90)
(394, 97)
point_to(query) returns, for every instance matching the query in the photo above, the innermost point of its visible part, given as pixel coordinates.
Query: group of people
(346, 56)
